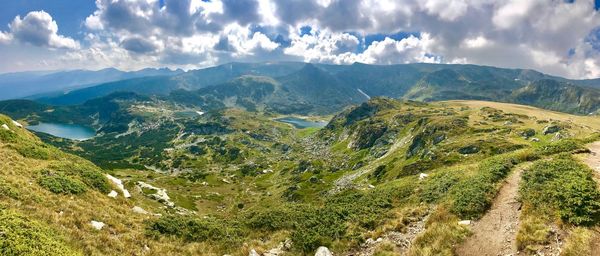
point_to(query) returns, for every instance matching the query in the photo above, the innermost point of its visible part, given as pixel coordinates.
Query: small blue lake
(301, 123)
(67, 131)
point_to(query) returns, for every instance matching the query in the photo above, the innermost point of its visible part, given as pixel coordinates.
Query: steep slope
(561, 96)
(320, 89)
(49, 200)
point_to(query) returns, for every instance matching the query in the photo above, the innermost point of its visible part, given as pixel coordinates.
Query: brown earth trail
(593, 161)
(494, 234)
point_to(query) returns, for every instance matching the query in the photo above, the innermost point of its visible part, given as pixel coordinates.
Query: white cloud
(5, 37)
(446, 9)
(556, 37)
(39, 29)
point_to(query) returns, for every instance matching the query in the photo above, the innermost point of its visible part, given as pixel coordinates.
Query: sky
(558, 37)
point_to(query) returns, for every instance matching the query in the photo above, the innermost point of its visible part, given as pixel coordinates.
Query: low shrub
(21, 236)
(566, 145)
(437, 186)
(565, 186)
(86, 172)
(61, 184)
(471, 197)
(196, 230)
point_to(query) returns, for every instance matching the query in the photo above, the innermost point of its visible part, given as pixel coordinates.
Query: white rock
(253, 253)
(464, 222)
(323, 251)
(226, 181)
(97, 224)
(119, 184)
(17, 124)
(423, 176)
(139, 210)
(535, 139)
(160, 195)
(5, 127)
(113, 194)
(371, 186)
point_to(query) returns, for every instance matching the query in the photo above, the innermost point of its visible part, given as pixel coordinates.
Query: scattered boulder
(160, 194)
(527, 133)
(97, 224)
(253, 253)
(464, 222)
(551, 129)
(558, 136)
(468, 150)
(113, 194)
(139, 210)
(323, 251)
(119, 185)
(5, 127)
(535, 139)
(17, 124)
(423, 176)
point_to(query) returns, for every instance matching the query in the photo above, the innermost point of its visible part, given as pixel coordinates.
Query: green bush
(36, 151)
(437, 186)
(196, 230)
(275, 218)
(473, 196)
(61, 184)
(86, 172)
(21, 236)
(318, 227)
(566, 145)
(8, 191)
(562, 186)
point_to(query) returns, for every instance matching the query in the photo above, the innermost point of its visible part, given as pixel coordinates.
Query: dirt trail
(494, 234)
(593, 161)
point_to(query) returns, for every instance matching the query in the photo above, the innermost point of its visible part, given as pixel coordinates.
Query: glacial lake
(67, 131)
(301, 123)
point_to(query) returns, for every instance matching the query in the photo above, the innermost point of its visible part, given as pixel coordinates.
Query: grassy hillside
(232, 181)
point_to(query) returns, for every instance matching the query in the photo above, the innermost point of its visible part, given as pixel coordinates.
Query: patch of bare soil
(494, 234)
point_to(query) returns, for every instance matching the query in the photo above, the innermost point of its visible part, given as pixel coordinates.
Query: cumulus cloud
(39, 29)
(557, 37)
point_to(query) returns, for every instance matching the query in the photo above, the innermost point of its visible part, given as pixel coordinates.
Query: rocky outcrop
(551, 129)
(119, 185)
(160, 194)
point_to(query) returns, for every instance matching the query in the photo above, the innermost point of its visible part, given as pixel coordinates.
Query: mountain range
(305, 88)
(48, 83)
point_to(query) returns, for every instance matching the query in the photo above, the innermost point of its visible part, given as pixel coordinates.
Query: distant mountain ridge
(38, 83)
(296, 87)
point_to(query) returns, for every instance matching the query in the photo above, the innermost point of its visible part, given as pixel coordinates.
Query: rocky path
(494, 234)
(593, 161)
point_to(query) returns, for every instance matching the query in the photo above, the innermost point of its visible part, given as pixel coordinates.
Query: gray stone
(551, 129)
(323, 251)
